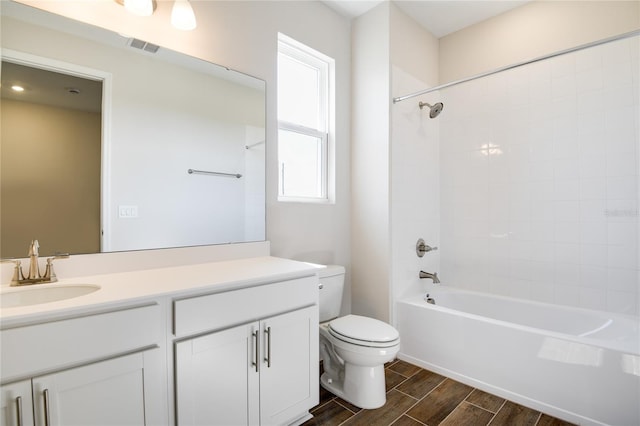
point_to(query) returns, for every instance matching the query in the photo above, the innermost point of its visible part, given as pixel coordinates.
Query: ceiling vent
(143, 45)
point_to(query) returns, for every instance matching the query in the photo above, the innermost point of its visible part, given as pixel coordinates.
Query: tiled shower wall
(539, 185)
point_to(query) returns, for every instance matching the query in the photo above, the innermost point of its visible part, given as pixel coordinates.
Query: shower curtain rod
(519, 64)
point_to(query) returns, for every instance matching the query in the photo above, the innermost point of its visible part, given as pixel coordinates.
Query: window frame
(325, 67)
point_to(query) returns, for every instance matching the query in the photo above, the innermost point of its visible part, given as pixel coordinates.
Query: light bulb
(182, 16)
(139, 7)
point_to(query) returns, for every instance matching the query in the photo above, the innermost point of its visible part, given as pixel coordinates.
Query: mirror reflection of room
(158, 114)
(51, 141)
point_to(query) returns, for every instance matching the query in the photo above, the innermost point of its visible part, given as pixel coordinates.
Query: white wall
(414, 154)
(243, 36)
(64, 144)
(533, 30)
(394, 157)
(370, 203)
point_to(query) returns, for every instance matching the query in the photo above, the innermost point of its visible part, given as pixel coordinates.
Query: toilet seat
(364, 331)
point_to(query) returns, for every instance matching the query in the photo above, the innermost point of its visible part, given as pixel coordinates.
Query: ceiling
(50, 88)
(440, 17)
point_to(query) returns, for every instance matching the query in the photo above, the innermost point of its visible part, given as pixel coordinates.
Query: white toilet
(353, 348)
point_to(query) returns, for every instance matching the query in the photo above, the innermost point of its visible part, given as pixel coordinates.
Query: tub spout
(429, 275)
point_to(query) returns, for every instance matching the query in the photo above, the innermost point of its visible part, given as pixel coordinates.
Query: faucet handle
(422, 248)
(17, 271)
(49, 273)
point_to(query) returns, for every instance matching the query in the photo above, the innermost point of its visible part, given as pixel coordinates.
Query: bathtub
(578, 365)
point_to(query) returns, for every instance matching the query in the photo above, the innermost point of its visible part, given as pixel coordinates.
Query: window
(304, 122)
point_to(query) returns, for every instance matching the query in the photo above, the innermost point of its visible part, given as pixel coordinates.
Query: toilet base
(362, 386)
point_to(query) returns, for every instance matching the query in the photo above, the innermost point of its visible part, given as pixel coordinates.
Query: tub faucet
(429, 275)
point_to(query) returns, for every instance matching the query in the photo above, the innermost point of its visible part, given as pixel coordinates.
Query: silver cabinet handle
(47, 408)
(19, 410)
(257, 347)
(268, 357)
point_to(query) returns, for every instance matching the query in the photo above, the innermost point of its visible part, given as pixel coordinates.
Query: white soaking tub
(579, 365)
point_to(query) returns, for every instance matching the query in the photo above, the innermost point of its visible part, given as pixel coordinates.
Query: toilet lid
(364, 331)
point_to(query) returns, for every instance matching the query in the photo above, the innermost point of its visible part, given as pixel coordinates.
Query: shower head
(434, 110)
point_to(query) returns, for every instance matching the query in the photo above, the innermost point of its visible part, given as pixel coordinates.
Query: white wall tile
(557, 197)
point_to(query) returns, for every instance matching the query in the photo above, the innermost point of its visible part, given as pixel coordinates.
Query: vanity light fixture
(140, 7)
(17, 88)
(182, 16)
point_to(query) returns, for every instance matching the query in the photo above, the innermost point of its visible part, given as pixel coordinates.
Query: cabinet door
(106, 393)
(16, 406)
(289, 372)
(216, 383)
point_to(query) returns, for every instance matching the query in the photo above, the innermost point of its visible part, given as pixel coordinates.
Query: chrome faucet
(429, 275)
(34, 276)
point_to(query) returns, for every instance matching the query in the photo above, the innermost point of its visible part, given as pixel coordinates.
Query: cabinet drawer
(35, 349)
(215, 311)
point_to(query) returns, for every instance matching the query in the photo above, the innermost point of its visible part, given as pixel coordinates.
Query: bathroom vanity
(232, 342)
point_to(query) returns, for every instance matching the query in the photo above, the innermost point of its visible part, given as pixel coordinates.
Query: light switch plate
(127, 212)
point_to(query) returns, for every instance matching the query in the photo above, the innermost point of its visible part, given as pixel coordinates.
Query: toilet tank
(331, 288)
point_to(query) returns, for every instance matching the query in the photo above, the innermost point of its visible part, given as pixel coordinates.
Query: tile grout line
(418, 400)
(538, 419)
(317, 407)
(497, 411)
(396, 389)
(482, 408)
(459, 404)
(414, 419)
(336, 400)
(404, 379)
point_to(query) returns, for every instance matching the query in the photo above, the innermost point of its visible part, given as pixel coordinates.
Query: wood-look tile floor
(416, 397)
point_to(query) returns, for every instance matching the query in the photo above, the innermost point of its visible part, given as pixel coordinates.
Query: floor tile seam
(414, 419)
(538, 419)
(426, 394)
(345, 420)
(398, 384)
(482, 408)
(497, 411)
(390, 423)
(319, 406)
(417, 400)
(345, 407)
(457, 406)
(403, 375)
(410, 396)
(397, 418)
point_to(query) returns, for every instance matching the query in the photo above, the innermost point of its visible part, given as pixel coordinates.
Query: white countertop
(130, 288)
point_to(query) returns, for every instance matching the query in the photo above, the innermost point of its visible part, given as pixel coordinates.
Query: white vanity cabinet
(221, 343)
(16, 404)
(104, 369)
(110, 392)
(263, 371)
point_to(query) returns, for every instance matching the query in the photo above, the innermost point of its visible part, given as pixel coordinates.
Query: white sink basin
(43, 293)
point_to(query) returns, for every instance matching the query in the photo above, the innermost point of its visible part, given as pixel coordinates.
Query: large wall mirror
(116, 144)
